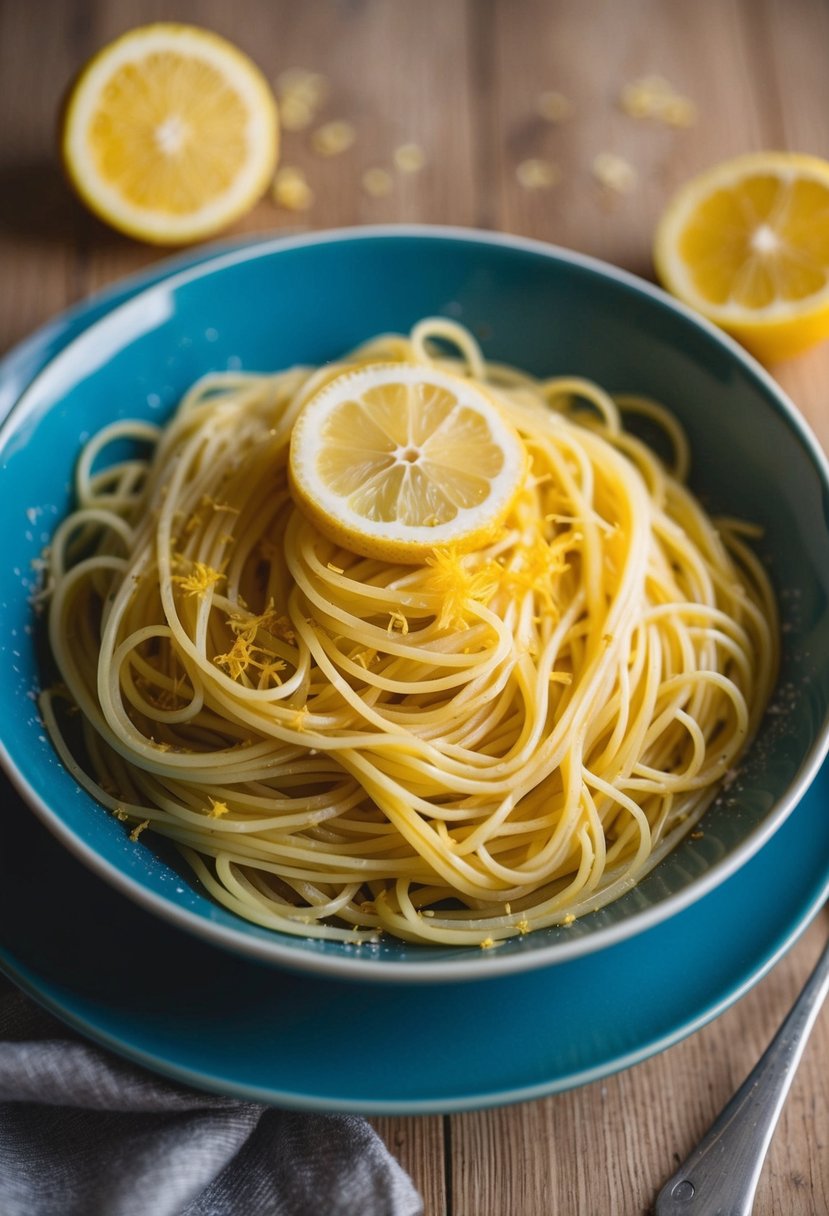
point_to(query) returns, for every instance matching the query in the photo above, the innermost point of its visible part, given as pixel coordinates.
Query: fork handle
(720, 1176)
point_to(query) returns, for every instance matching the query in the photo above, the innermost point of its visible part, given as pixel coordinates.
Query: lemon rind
(672, 270)
(402, 542)
(263, 134)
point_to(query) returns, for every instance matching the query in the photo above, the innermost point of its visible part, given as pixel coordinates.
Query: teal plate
(214, 1020)
(220, 1021)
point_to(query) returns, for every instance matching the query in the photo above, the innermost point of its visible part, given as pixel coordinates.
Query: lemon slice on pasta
(394, 460)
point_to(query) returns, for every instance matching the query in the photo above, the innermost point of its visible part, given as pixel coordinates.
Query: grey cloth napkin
(83, 1133)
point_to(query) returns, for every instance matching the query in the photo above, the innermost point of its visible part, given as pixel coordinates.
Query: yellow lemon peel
(170, 133)
(396, 460)
(746, 243)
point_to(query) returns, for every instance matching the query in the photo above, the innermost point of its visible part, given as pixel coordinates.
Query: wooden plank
(40, 222)
(758, 80)
(606, 1149)
(417, 1143)
(589, 52)
(351, 45)
(357, 47)
(793, 40)
(805, 380)
(463, 80)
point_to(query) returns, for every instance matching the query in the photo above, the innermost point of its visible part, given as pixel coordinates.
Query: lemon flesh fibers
(747, 245)
(393, 460)
(170, 133)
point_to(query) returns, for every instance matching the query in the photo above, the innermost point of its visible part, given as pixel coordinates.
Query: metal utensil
(720, 1176)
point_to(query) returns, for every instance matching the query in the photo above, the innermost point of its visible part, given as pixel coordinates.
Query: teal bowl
(270, 303)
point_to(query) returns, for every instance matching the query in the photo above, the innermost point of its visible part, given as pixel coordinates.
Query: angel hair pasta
(457, 749)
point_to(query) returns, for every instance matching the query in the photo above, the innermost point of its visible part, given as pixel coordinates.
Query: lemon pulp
(170, 133)
(393, 460)
(747, 244)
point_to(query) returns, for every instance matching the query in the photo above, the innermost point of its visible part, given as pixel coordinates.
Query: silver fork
(720, 1176)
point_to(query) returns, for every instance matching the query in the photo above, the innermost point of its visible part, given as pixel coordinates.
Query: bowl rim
(282, 950)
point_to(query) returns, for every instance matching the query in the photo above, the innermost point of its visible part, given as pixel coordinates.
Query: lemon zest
(333, 137)
(377, 182)
(291, 190)
(450, 578)
(654, 97)
(540, 563)
(237, 660)
(553, 106)
(249, 626)
(409, 158)
(200, 579)
(614, 173)
(300, 93)
(206, 503)
(245, 654)
(535, 173)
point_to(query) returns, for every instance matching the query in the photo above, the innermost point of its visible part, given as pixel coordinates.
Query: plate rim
(215, 1081)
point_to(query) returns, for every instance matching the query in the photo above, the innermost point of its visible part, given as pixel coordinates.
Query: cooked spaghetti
(458, 751)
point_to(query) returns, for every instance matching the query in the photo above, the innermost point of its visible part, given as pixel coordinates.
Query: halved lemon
(170, 133)
(747, 244)
(395, 459)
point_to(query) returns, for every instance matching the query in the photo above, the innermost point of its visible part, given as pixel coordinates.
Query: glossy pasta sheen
(458, 752)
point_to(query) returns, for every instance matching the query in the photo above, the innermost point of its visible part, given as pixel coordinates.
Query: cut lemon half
(170, 133)
(393, 460)
(747, 244)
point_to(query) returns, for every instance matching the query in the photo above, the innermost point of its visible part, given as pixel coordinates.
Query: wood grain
(605, 1150)
(39, 221)
(462, 79)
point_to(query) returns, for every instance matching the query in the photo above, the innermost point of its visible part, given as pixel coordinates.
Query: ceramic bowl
(275, 302)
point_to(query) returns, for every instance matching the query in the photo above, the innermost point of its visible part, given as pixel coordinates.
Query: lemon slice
(393, 460)
(170, 133)
(747, 244)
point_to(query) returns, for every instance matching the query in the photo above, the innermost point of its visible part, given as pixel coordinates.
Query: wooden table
(462, 79)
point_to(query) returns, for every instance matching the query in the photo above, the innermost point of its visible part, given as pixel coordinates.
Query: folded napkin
(82, 1133)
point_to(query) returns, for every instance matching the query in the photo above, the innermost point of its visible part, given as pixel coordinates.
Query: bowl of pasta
(411, 603)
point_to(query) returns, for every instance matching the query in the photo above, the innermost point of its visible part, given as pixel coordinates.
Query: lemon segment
(747, 244)
(170, 133)
(393, 460)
